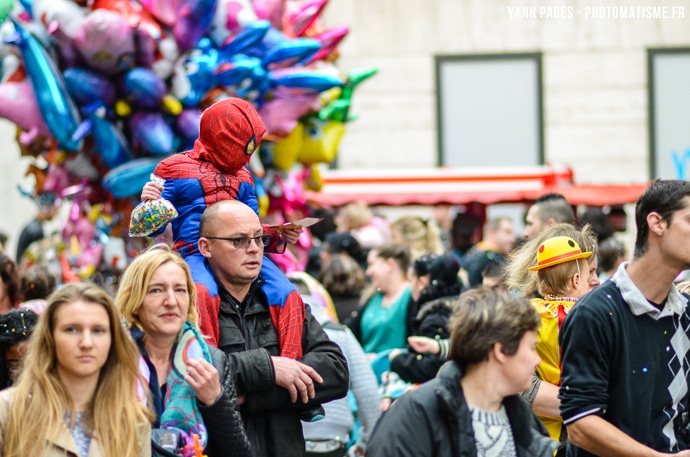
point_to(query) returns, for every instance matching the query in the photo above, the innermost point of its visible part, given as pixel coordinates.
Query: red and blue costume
(214, 170)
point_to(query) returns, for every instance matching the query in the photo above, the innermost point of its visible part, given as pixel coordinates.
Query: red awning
(462, 186)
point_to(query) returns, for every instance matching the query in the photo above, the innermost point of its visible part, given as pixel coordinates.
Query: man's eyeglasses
(243, 242)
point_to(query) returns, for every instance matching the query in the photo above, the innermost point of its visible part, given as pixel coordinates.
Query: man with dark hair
(546, 211)
(624, 385)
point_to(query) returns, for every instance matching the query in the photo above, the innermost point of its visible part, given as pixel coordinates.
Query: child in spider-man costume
(214, 170)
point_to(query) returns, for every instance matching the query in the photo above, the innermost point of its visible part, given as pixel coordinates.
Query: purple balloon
(152, 133)
(193, 22)
(187, 124)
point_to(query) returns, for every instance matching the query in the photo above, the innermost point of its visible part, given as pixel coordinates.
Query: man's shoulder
(605, 295)
(605, 300)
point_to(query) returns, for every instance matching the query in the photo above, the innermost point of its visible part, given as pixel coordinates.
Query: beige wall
(594, 77)
(15, 210)
(595, 94)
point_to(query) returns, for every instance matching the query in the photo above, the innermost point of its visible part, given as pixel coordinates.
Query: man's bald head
(220, 213)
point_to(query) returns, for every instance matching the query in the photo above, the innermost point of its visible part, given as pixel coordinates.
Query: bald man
(273, 389)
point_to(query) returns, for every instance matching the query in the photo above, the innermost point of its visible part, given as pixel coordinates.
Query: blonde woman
(190, 383)
(421, 236)
(76, 395)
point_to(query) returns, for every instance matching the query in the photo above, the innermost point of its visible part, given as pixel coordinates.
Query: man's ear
(391, 262)
(656, 223)
(203, 245)
(424, 280)
(550, 223)
(498, 354)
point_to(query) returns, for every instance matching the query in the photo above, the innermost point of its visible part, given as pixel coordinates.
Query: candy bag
(151, 215)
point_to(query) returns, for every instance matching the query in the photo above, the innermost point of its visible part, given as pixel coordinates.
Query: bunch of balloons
(102, 90)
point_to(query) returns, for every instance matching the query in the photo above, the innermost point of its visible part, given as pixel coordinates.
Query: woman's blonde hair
(41, 399)
(527, 283)
(421, 236)
(356, 215)
(136, 278)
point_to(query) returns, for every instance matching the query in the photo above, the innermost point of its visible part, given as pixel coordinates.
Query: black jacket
(226, 435)
(435, 421)
(431, 321)
(250, 339)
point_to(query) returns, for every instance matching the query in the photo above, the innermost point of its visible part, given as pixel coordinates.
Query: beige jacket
(64, 445)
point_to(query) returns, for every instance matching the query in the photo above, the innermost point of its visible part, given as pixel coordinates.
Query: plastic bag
(150, 215)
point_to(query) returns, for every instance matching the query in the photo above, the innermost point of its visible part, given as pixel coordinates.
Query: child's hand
(151, 191)
(291, 236)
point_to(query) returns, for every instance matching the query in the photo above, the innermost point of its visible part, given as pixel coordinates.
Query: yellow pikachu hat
(556, 250)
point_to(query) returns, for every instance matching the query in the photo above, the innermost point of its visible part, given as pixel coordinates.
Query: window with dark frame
(490, 110)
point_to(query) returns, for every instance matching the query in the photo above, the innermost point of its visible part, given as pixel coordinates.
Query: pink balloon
(85, 230)
(91, 256)
(18, 104)
(272, 10)
(330, 39)
(281, 113)
(163, 10)
(106, 41)
(56, 179)
(301, 15)
(146, 29)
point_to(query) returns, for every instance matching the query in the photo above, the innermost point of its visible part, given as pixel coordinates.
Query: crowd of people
(416, 342)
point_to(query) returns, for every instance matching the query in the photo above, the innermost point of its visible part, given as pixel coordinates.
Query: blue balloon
(88, 86)
(236, 71)
(128, 179)
(290, 52)
(28, 6)
(199, 69)
(308, 80)
(57, 107)
(271, 39)
(247, 38)
(111, 143)
(143, 88)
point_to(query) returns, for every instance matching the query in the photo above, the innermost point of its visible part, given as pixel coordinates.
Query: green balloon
(6, 7)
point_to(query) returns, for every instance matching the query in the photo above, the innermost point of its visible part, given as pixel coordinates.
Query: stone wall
(594, 77)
